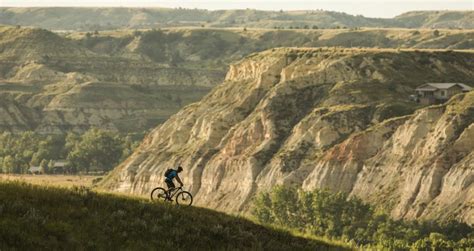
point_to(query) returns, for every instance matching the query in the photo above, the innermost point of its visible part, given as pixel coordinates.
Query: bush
(335, 215)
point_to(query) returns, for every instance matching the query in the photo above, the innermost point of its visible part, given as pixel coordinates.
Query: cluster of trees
(335, 215)
(94, 151)
(89, 34)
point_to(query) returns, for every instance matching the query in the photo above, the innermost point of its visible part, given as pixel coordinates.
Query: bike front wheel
(159, 194)
(184, 198)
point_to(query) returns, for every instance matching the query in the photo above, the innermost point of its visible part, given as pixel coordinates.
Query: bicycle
(183, 197)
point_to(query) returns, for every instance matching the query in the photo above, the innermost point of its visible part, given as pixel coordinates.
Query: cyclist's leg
(171, 187)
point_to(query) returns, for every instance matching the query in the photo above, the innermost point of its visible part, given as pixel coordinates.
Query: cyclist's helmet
(180, 169)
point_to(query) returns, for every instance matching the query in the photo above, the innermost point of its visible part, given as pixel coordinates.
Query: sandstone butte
(337, 119)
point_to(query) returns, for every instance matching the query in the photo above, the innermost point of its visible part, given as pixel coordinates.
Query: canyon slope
(70, 18)
(338, 119)
(132, 80)
(50, 84)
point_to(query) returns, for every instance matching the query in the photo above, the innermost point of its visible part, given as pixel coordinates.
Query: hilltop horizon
(387, 9)
(94, 18)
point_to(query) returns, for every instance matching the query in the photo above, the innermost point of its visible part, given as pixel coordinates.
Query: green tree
(263, 208)
(9, 164)
(44, 166)
(72, 140)
(52, 147)
(21, 164)
(36, 159)
(50, 166)
(336, 215)
(129, 146)
(97, 150)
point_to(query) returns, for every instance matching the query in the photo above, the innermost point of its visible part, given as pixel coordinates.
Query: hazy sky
(370, 8)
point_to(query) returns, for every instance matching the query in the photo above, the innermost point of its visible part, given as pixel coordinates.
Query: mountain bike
(182, 197)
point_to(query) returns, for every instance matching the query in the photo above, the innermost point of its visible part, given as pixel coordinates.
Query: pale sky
(368, 8)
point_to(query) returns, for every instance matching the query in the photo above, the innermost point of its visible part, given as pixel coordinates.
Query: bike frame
(171, 194)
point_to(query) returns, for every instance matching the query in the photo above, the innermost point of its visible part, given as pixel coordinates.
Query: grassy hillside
(437, 19)
(210, 47)
(113, 18)
(35, 217)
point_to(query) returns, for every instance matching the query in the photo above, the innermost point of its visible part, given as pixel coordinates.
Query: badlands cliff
(50, 84)
(337, 119)
(133, 80)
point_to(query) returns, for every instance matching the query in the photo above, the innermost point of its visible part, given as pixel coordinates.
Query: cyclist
(171, 174)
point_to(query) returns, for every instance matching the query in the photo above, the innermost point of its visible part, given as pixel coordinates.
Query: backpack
(167, 173)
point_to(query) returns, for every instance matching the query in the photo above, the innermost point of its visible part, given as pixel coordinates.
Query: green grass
(39, 217)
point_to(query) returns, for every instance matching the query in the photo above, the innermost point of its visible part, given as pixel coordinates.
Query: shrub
(335, 215)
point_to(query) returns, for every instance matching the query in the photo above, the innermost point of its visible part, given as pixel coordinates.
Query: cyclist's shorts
(169, 183)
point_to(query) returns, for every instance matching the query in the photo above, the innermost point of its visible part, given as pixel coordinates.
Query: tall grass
(37, 217)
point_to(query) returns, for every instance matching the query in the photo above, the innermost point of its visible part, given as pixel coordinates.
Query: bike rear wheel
(184, 198)
(159, 194)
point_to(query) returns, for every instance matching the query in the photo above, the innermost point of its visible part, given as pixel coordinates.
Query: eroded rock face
(321, 118)
(132, 81)
(50, 84)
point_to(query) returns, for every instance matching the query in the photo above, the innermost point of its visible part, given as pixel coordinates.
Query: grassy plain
(52, 180)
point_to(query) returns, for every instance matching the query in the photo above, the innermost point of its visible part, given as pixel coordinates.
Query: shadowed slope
(35, 217)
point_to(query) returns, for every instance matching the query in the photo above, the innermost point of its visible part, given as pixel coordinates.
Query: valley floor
(52, 180)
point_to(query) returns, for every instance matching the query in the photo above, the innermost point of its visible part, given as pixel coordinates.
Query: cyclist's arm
(179, 180)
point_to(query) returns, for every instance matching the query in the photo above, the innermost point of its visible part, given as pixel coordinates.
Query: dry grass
(49, 218)
(52, 180)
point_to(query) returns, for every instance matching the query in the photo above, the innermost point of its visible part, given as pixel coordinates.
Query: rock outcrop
(50, 84)
(337, 119)
(131, 81)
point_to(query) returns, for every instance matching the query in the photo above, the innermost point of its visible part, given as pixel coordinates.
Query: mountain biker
(170, 174)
